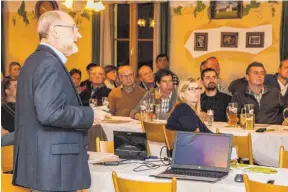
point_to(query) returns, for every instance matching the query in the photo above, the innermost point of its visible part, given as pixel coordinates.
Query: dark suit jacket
(271, 80)
(184, 118)
(50, 127)
(85, 95)
(270, 109)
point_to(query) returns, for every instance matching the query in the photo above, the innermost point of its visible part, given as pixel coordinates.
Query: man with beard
(212, 98)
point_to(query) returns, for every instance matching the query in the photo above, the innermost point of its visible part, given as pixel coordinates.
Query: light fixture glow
(99, 6)
(69, 4)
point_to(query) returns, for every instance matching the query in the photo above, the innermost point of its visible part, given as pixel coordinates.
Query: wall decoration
(229, 39)
(226, 9)
(44, 6)
(200, 6)
(255, 39)
(200, 41)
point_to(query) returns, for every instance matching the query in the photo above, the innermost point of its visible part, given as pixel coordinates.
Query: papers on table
(101, 157)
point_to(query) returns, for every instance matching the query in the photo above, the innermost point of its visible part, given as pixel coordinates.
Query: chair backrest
(154, 131)
(283, 158)
(104, 146)
(7, 186)
(244, 145)
(7, 158)
(127, 185)
(252, 186)
(169, 138)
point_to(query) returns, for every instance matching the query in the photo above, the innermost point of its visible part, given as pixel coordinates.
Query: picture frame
(200, 41)
(229, 39)
(226, 9)
(255, 39)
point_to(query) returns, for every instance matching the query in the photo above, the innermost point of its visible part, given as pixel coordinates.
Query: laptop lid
(203, 151)
(130, 145)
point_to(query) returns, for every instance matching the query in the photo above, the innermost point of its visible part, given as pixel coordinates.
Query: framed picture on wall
(200, 41)
(226, 9)
(255, 39)
(229, 39)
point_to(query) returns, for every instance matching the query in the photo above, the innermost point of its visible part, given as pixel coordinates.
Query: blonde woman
(185, 115)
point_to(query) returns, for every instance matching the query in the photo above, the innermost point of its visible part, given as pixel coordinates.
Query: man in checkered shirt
(162, 62)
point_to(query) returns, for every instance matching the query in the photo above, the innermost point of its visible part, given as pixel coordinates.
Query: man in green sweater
(125, 98)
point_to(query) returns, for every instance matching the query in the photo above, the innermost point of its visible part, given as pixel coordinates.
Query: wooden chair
(7, 186)
(126, 185)
(7, 158)
(252, 186)
(243, 145)
(104, 146)
(154, 132)
(169, 138)
(283, 158)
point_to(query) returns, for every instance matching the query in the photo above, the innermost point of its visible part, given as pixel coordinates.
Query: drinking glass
(231, 113)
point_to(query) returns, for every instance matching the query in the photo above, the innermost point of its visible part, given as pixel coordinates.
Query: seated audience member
(88, 68)
(111, 76)
(14, 70)
(185, 117)
(167, 92)
(123, 99)
(268, 101)
(146, 78)
(213, 63)
(97, 88)
(76, 78)
(279, 80)
(8, 106)
(238, 85)
(162, 62)
(212, 98)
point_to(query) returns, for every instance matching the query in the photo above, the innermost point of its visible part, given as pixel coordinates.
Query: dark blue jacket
(184, 118)
(271, 80)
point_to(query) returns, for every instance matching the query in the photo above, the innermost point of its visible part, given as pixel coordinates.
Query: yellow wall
(21, 40)
(233, 64)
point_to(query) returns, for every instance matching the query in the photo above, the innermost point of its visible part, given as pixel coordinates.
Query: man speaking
(51, 124)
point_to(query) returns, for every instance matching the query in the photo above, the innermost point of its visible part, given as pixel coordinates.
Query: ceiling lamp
(90, 5)
(69, 4)
(99, 6)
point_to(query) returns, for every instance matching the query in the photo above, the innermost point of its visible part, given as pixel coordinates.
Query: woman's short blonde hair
(183, 86)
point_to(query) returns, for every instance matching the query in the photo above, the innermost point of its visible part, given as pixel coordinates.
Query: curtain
(96, 38)
(3, 39)
(164, 27)
(106, 36)
(284, 31)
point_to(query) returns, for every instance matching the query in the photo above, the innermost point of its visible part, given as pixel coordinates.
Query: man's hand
(203, 116)
(4, 132)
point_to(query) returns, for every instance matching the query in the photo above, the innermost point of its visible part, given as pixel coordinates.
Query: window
(134, 28)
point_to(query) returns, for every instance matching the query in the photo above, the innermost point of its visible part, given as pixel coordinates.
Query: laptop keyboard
(196, 173)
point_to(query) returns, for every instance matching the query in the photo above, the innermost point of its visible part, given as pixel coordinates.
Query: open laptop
(130, 145)
(200, 156)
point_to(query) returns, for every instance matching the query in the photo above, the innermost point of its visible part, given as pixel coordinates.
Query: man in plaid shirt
(162, 62)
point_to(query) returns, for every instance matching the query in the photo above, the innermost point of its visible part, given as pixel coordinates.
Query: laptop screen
(202, 150)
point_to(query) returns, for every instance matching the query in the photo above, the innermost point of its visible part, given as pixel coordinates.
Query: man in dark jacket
(279, 80)
(268, 102)
(97, 89)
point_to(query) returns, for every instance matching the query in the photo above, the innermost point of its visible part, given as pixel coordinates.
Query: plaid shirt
(165, 104)
(258, 97)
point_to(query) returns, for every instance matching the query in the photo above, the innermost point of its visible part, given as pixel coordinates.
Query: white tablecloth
(265, 146)
(102, 179)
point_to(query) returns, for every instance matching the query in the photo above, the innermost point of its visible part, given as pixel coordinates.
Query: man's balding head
(145, 74)
(58, 29)
(126, 76)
